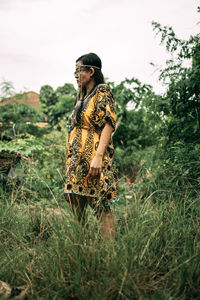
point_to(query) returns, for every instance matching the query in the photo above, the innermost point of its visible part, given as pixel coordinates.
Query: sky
(40, 40)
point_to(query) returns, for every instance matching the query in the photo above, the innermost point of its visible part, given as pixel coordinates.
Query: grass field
(45, 254)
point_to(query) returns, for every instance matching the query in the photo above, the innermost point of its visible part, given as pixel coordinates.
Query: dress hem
(105, 203)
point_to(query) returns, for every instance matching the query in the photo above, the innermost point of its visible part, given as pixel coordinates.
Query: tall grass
(155, 253)
(45, 254)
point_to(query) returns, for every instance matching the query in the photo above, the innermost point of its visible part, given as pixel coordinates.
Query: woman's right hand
(95, 166)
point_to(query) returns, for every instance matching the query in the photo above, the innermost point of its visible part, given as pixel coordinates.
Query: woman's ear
(92, 71)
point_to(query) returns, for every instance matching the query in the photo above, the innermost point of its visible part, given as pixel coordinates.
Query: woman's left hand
(95, 166)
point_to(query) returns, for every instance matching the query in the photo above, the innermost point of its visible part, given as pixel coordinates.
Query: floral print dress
(82, 143)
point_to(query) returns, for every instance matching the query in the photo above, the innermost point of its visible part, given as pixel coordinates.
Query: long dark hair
(89, 60)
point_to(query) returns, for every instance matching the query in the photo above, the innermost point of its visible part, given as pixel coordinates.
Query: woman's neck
(89, 87)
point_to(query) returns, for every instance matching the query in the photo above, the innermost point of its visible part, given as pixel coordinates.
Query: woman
(90, 170)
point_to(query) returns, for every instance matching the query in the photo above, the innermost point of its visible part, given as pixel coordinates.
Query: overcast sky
(41, 39)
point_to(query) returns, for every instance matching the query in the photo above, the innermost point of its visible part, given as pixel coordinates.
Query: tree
(57, 104)
(140, 118)
(6, 89)
(16, 118)
(61, 109)
(181, 106)
(48, 98)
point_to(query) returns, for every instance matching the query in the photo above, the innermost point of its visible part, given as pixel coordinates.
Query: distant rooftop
(28, 98)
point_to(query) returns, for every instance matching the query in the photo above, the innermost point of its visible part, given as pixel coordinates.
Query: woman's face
(83, 76)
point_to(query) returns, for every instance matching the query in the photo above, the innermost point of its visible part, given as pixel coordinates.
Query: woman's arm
(96, 164)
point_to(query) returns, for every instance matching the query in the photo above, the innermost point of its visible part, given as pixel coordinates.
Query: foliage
(23, 144)
(61, 110)
(155, 254)
(42, 165)
(57, 104)
(139, 122)
(181, 108)
(18, 132)
(16, 118)
(179, 49)
(6, 90)
(47, 97)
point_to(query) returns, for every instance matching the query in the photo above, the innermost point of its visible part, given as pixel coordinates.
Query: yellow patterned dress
(83, 140)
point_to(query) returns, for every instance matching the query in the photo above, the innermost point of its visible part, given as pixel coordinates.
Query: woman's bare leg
(106, 218)
(107, 224)
(78, 205)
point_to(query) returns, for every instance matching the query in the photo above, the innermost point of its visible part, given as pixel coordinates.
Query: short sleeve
(105, 108)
